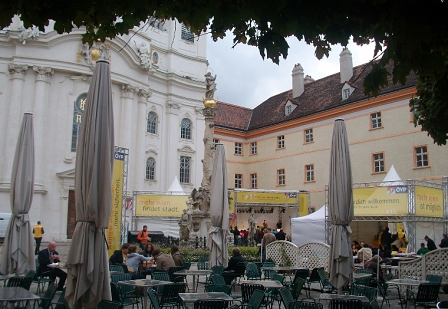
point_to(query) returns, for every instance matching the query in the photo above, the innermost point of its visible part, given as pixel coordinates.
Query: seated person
(49, 256)
(177, 257)
(163, 260)
(235, 267)
(119, 256)
(365, 253)
(373, 266)
(422, 249)
(147, 251)
(133, 261)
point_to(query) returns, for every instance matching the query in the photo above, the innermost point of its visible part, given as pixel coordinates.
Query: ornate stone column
(140, 151)
(14, 119)
(43, 77)
(209, 149)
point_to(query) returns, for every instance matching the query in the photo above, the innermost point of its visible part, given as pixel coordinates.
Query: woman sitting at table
(147, 252)
(133, 260)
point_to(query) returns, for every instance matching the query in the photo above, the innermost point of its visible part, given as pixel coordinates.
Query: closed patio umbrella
(88, 279)
(340, 207)
(219, 210)
(18, 251)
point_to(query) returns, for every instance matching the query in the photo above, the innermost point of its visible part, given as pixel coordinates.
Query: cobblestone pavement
(63, 248)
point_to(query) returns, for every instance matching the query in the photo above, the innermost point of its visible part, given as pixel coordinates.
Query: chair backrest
(256, 299)
(279, 278)
(160, 275)
(434, 279)
(61, 303)
(153, 299)
(323, 277)
(306, 305)
(240, 268)
(210, 304)
(120, 277)
(427, 293)
(23, 282)
(314, 276)
(107, 304)
(252, 271)
(248, 289)
(218, 288)
(370, 293)
(217, 279)
(45, 301)
(115, 291)
(118, 267)
(170, 293)
(31, 274)
(302, 273)
(363, 281)
(217, 269)
(297, 286)
(345, 304)
(268, 273)
(286, 296)
(172, 270)
(203, 263)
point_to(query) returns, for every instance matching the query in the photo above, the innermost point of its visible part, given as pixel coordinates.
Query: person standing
(280, 235)
(50, 256)
(143, 237)
(265, 224)
(236, 233)
(38, 231)
(386, 239)
(430, 243)
(444, 241)
(267, 239)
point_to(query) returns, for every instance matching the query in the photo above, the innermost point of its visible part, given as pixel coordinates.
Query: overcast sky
(245, 79)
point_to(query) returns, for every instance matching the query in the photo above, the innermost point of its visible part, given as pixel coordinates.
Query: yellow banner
(428, 202)
(232, 201)
(303, 208)
(160, 205)
(114, 231)
(267, 198)
(381, 201)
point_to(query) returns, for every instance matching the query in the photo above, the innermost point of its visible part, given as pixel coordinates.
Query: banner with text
(160, 205)
(267, 198)
(381, 201)
(113, 233)
(428, 202)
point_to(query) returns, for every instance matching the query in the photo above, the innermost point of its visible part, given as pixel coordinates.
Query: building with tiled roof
(284, 143)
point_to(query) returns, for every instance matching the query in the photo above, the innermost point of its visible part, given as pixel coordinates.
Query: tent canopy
(309, 228)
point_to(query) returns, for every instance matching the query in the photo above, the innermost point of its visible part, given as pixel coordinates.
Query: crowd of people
(242, 237)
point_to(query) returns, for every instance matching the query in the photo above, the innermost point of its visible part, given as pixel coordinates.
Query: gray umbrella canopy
(340, 207)
(219, 210)
(88, 279)
(18, 251)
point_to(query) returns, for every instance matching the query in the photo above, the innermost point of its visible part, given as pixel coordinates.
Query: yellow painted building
(284, 143)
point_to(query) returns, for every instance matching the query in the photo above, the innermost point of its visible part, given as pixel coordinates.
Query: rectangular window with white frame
(281, 178)
(376, 120)
(238, 148)
(309, 136)
(280, 141)
(253, 181)
(184, 173)
(253, 147)
(378, 162)
(238, 181)
(421, 156)
(309, 173)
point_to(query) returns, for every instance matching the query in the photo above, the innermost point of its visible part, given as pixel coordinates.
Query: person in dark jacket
(430, 243)
(386, 239)
(444, 241)
(280, 235)
(235, 268)
(51, 256)
(119, 256)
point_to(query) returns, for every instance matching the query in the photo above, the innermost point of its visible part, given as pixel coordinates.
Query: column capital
(127, 91)
(43, 73)
(143, 95)
(17, 71)
(172, 108)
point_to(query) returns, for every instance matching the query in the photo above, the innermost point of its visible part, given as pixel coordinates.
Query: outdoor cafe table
(268, 284)
(406, 282)
(361, 275)
(328, 297)
(15, 294)
(194, 273)
(192, 297)
(144, 284)
(282, 268)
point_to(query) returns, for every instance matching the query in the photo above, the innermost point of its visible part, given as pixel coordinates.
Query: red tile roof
(320, 95)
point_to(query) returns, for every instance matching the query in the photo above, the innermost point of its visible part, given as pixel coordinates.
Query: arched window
(185, 129)
(78, 111)
(151, 126)
(150, 168)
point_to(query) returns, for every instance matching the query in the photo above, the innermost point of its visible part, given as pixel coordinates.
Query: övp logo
(119, 156)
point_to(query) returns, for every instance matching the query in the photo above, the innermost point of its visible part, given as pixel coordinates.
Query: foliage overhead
(413, 33)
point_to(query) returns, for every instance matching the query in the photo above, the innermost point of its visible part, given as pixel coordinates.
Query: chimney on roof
(346, 64)
(298, 85)
(308, 79)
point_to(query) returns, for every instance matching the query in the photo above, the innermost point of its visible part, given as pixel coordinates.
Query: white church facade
(158, 85)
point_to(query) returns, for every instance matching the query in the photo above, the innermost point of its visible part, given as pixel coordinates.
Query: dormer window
(346, 91)
(289, 107)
